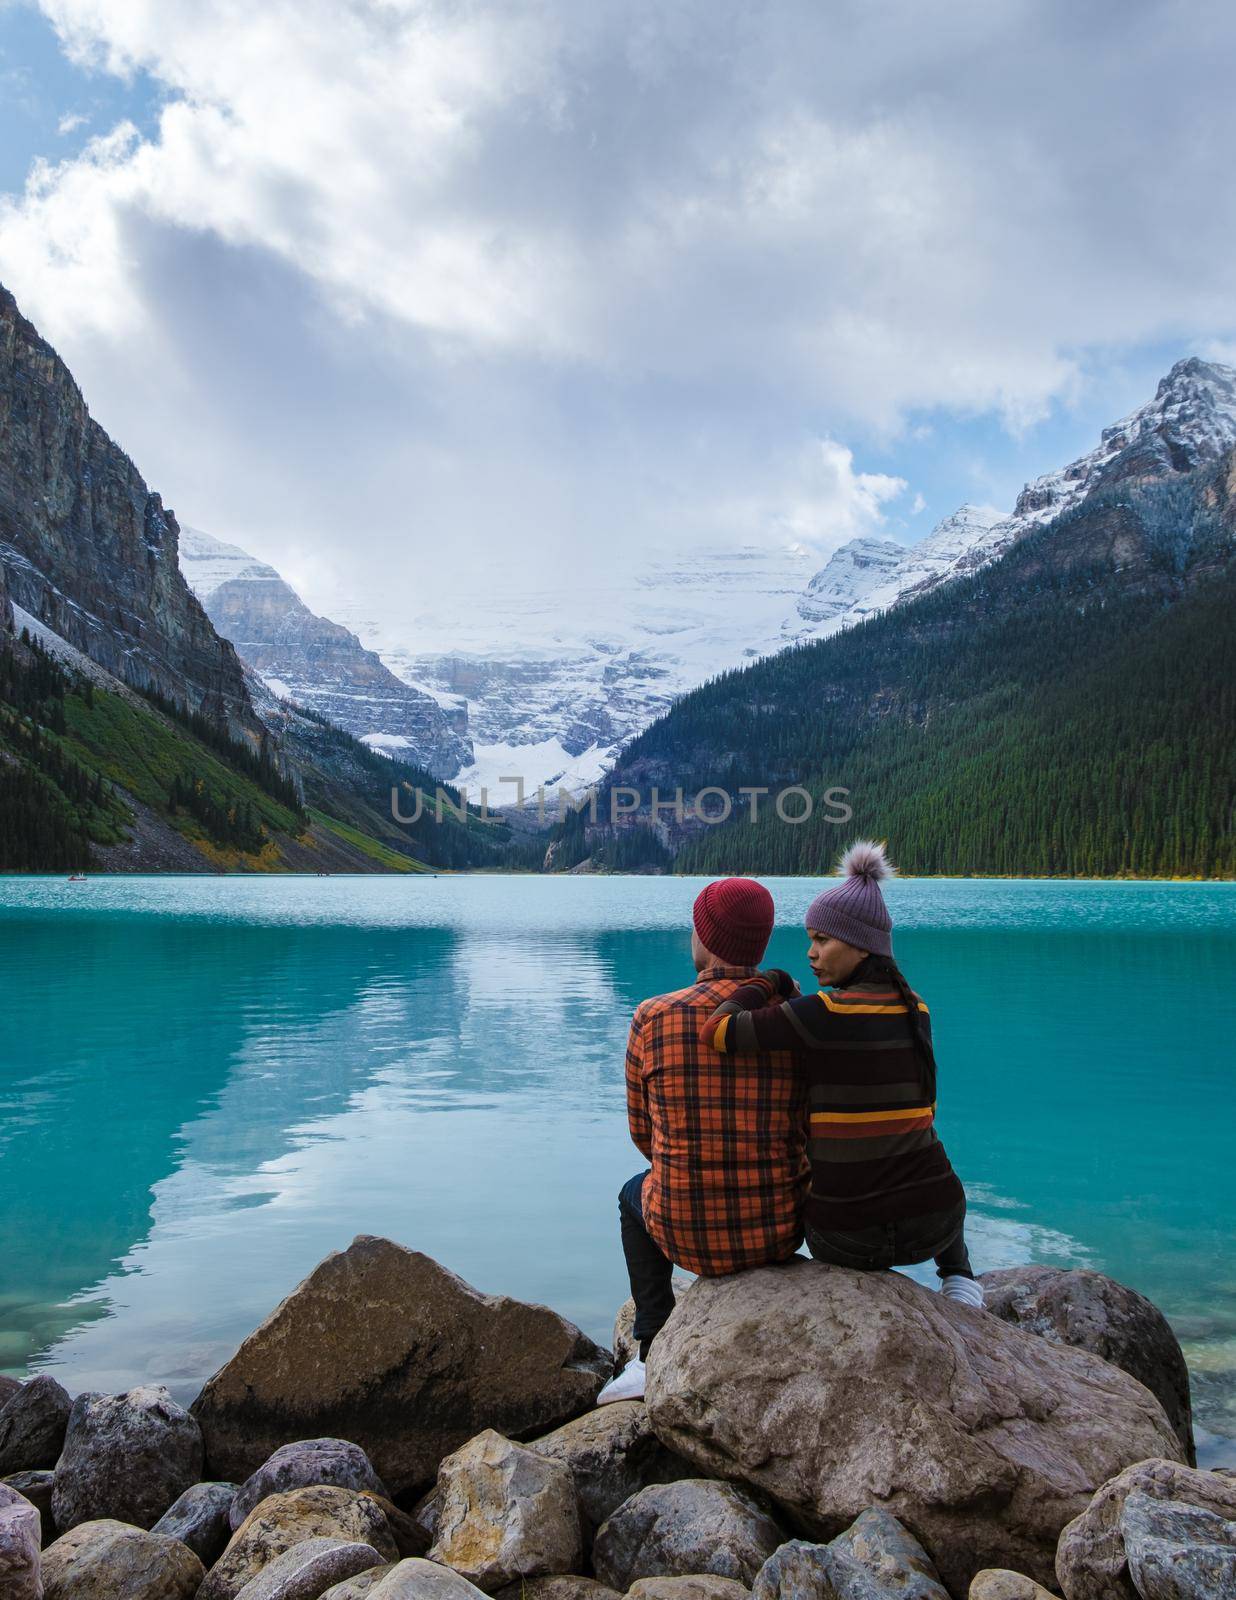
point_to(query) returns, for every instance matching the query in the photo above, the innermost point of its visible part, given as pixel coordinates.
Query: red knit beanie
(734, 918)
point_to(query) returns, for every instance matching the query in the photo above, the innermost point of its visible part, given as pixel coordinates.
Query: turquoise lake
(208, 1083)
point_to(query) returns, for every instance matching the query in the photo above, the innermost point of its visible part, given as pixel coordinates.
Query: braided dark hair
(885, 969)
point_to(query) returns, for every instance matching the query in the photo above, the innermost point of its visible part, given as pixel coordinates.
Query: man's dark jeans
(938, 1235)
(650, 1270)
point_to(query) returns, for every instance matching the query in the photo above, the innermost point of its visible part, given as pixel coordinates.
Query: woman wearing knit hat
(883, 1193)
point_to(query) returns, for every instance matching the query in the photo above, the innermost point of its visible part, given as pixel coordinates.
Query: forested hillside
(87, 773)
(1069, 709)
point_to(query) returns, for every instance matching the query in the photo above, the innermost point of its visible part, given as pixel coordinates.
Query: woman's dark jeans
(650, 1270)
(934, 1235)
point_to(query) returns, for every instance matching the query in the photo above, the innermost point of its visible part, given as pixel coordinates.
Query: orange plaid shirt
(725, 1135)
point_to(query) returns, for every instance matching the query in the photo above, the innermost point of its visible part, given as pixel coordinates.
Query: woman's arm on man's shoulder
(763, 1016)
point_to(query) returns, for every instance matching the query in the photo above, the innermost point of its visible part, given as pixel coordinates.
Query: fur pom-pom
(866, 859)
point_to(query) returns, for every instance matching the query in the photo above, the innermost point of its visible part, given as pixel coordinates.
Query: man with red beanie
(726, 1138)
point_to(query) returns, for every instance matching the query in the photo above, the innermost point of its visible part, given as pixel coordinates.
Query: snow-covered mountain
(1192, 419)
(549, 682)
(313, 660)
(556, 704)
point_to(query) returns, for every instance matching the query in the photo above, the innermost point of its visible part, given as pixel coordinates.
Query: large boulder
(302, 1463)
(21, 1539)
(126, 1457)
(1093, 1560)
(505, 1512)
(613, 1453)
(1095, 1313)
(8, 1386)
(32, 1426)
(309, 1568)
(684, 1528)
(283, 1520)
(110, 1560)
(832, 1390)
(382, 1346)
(874, 1558)
(37, 1488)
(200, 1518)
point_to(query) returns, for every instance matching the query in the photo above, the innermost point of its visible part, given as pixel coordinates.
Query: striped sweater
(875, 1156)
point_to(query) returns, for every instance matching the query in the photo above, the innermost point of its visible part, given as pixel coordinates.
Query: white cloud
(540, 279)
(71, 121)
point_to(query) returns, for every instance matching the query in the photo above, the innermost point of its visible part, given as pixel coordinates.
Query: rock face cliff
(316, 662)
(89, 549)
(1190, 423)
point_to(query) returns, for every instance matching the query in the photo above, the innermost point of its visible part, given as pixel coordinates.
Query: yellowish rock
(282, 1520)
(998, 1583)
(108, 1560)
(698, 1586)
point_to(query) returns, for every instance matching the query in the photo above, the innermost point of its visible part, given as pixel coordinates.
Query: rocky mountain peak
(316, 662)
(89, 549)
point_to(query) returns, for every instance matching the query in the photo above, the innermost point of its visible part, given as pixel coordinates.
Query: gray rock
(199, 1518)
(417, 1579)
(613, 1453)
(558, 1586)
(32, 1426)
(998, 1583)
(1092, 1312)
(980, 1437)
(1092, 1562)
(875, 1559)
(109, 1560)
(383, 1346)
(506, 1513)
(283, 1520)
(363, 1584)
(126, 1457)
(309, 1568)
(1177, 1551)
(37, 1488)
(305, 1462)
(699, 1586)
(682, 1529)
(796, 1571)
(8, 1386)
(21, 1538)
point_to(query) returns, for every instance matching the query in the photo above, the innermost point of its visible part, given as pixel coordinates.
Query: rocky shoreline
(809, 1434)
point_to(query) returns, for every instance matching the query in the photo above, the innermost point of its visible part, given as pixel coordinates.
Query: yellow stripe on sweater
(872, 1116)
(865, 1011)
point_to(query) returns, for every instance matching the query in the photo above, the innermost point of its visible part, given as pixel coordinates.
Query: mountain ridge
(318, 663)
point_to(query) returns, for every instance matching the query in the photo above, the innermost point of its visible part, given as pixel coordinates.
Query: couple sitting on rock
(769, 1115)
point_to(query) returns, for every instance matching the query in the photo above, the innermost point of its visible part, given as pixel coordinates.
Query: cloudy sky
(415, 296)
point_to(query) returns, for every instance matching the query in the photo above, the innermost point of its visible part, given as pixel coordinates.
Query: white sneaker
(966, 1291)
(628, 1385)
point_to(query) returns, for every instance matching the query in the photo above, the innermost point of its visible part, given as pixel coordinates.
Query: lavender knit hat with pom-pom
(855, 911)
